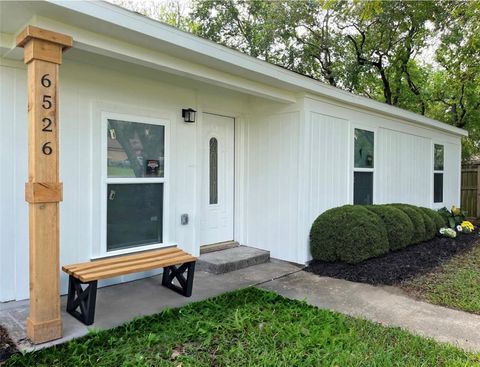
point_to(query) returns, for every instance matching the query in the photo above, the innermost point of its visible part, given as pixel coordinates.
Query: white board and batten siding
(13, 208)
(403, 161)
(292, 162)
(272, 200)
(87, 92)
(405, 168)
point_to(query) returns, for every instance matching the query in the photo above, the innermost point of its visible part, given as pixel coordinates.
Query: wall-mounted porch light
(188, 114)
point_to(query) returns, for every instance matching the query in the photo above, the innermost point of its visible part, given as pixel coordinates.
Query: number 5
(47, 103)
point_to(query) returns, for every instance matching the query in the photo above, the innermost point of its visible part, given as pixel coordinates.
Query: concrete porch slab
(231, 259)
(121, 303)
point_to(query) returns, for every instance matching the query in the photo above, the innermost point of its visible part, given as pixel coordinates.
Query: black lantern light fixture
(188, 115)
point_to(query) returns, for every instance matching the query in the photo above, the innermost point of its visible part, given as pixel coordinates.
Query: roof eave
(138, 23)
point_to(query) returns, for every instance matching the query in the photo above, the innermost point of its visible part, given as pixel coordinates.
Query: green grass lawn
(455, 284)
(250, 327)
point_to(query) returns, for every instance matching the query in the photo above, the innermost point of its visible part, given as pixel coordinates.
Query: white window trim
(438, 204)
(102, 251)
(353, 169)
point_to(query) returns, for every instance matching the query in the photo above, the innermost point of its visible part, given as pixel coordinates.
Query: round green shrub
(437, 219)
(430, 227)
(419, 232)
(349, 233)
(398, 225)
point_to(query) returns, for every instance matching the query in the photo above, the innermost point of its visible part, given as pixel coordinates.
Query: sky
(154, 8)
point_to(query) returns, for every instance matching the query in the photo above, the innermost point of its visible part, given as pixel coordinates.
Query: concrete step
(231, 259)
(218, 246)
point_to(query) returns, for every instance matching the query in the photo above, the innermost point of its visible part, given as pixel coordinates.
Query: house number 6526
(47, 104)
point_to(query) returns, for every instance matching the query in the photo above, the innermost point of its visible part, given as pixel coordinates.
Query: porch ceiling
(99, 37)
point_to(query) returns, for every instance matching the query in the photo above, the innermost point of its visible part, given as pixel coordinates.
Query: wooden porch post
(43, 191)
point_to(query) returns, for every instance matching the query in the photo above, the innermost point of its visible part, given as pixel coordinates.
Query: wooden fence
(470, 198)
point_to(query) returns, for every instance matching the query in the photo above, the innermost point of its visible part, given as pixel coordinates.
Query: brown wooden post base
(44, 331)
(43, 191)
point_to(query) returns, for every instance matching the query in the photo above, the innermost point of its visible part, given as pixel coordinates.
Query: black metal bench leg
(186, 283)
(82, 299)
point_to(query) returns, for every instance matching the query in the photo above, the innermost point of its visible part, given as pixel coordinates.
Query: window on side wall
(438, 169)
(363, 168)
(135, 183)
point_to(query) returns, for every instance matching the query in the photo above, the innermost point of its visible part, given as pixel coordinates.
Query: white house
(268, 152)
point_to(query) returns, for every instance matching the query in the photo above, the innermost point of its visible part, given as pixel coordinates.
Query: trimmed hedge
(419, 232)
(349, 233)
(436, 217)
(430, 228)
(398, 225)
(353, 233)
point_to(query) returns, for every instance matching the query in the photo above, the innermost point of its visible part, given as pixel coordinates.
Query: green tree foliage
(454, 86)
(422, 56)
(248, 26)
(171, 12)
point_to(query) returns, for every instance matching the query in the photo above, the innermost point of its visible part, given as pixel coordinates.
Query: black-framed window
(438, 171)
(135, 180)
(134, 215)
(363, 168)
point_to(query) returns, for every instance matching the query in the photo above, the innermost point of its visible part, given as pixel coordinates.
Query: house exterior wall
(272, 202)
(403, 161)
(292, 162)
(13, 208)
(87, 91)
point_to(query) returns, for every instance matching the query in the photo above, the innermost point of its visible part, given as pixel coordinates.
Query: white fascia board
(106, 12)
(107, 46)
(382, 109)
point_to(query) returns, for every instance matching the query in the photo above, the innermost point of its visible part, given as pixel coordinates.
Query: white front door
(217, 149)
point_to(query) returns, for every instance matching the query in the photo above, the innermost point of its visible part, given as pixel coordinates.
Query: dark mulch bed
(397, 266)
(7, 346)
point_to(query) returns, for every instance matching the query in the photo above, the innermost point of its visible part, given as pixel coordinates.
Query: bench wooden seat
(83, 277)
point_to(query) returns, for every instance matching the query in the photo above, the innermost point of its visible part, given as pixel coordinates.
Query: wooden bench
(83, 278)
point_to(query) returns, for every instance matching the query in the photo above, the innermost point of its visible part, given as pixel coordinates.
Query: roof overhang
(105, 29)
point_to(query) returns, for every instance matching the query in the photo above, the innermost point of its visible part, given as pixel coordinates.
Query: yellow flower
(455, 210)
(467, 224)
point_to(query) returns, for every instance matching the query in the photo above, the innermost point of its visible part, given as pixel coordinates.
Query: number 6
(45, 81)
(47, 149)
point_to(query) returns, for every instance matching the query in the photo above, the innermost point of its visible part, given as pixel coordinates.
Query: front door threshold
(219, 246)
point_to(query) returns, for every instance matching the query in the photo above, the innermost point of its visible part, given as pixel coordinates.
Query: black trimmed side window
(438, 169)
(363, 168)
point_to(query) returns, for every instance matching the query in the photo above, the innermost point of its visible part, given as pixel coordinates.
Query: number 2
(47, 125)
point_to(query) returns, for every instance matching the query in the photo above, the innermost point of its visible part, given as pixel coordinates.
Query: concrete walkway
(121, 303)
(386, 305)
